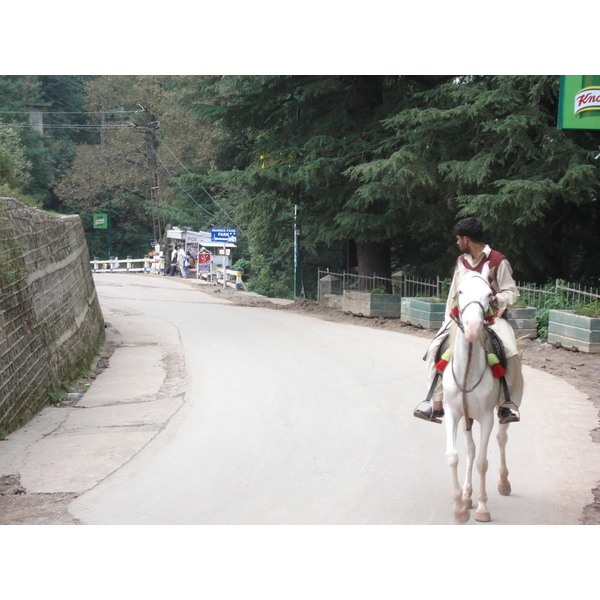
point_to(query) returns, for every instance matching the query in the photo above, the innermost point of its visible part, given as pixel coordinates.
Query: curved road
(273, 417)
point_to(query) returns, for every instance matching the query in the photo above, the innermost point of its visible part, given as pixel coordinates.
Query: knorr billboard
(579, 102)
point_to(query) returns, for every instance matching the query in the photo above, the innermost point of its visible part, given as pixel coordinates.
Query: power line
(69, 126)
(183, 189)
(74, 84)
(74, 112)
(201, 186)
(118, 126)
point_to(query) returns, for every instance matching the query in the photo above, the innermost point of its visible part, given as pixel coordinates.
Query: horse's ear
(485, 271)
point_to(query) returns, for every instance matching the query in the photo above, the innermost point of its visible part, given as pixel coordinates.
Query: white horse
(471, 392)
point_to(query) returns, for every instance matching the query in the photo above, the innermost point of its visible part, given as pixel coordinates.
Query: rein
(463, 387)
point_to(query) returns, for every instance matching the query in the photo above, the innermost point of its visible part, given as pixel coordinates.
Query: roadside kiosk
(200, 243)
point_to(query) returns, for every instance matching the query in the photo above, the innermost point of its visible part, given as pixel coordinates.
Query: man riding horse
(469, 237)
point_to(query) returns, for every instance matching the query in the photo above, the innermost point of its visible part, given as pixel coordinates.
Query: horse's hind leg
(502, 437)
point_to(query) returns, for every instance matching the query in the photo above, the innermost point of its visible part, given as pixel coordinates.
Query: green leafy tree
(60, 100)
(145, 133)
(14, 167)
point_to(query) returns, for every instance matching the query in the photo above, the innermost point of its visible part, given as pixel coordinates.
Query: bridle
(463, 387)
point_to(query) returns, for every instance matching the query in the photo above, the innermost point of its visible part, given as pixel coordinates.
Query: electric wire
(201, 186)
(173, 177)
(68, 126)
(74, 112)
(115, 126)
(74, 84)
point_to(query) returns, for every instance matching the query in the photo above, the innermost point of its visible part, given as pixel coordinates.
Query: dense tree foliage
(387, 164)
(290, 141)
(379, 167)
(488, 147)
(48, 156)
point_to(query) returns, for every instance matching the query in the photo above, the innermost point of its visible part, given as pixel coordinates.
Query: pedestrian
(173, 265)
(180, 259)
(470, 240)
(186, 265)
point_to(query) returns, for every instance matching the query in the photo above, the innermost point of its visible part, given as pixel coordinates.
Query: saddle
(493, 345)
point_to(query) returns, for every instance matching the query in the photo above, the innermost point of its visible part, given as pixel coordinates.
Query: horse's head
(474, 296)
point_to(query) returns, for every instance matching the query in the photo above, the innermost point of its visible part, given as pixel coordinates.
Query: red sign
(204, 261)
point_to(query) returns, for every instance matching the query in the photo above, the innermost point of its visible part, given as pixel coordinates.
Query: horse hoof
(468, 503)
(483, 516)
(461, 517)
(504, 488)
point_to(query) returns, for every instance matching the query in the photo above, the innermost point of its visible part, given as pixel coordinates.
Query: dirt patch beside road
(19, 508)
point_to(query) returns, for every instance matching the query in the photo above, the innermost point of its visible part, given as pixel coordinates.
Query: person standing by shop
(186, 265)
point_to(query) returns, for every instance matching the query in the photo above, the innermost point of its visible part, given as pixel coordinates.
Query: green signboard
(100, 221)
(579, 102)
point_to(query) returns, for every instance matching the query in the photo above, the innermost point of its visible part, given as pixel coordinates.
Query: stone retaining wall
(50, 317)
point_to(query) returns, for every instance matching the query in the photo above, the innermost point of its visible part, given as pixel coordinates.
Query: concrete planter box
(523, 321)
(371, 305)
(572, 331)
(333, 301)
(423, 313)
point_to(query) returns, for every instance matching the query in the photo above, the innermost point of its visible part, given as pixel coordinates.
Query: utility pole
(297, 278)
(150, 126)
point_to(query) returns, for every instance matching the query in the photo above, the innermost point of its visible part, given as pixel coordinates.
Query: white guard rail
(144, 265)
(157, 265)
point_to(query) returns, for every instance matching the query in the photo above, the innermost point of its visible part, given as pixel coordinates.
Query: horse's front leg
(461, 512)
(482, 513)
(502, 437)
(468, 485)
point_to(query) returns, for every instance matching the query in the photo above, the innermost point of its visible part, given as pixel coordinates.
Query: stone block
(572, 331)
(371, 305)
(423, 312)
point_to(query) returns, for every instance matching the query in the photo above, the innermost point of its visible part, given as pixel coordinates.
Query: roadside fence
(558, 294)
(115, 264)
(156, 265)
(400, 283)
(551, 295)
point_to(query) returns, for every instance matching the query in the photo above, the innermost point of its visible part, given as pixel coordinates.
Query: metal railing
(419, 287)
(402, 284)
(147, 265)
(407, 285)
(338, 283)
(560, 293)
(233, 278)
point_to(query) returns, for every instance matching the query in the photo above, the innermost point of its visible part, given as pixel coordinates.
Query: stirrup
(509, 404)
(506, 414)
(428, 413)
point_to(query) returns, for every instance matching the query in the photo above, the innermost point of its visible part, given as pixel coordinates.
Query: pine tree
(488, 147)
(290, 140)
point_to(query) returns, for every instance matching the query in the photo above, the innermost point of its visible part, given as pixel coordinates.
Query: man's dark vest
(494, 259)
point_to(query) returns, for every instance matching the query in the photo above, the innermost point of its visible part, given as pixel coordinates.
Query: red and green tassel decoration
(454, 310)
(490, 314)
(494, 362)
(443, 362)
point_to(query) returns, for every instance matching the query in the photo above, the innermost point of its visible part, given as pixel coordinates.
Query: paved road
(212, 413)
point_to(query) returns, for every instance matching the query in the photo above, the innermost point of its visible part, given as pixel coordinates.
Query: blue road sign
(223, 234)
